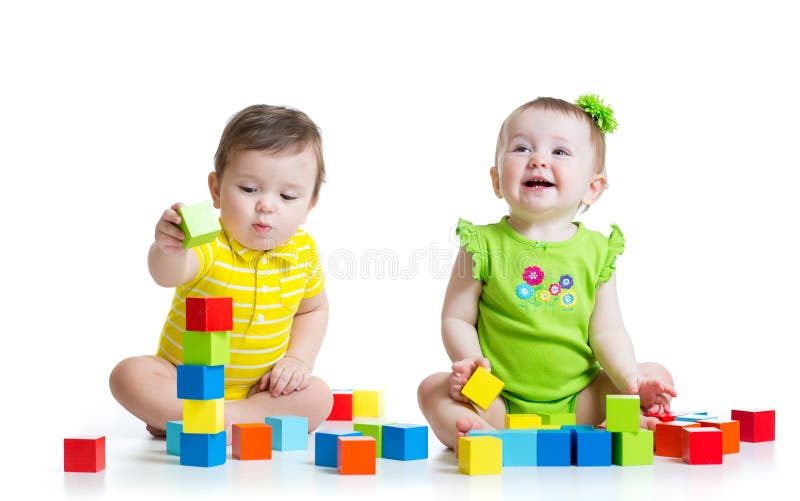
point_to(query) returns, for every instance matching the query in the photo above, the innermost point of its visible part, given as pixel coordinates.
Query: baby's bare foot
(156, 432)
(464, 426)
(648, 422)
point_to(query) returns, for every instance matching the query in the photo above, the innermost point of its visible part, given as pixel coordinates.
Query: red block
(85, 454)
(702, 445)
(669, 438)
(664, 418)
(757, 425)
(342, 407)
(209, 314)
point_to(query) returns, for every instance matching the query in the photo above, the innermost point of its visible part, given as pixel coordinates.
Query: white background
(109, 112)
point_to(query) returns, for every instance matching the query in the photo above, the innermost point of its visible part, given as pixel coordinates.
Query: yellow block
(547, 427)
(482, 388)
(368, 403)
(480, 455)
(522, 421)
(203, 416)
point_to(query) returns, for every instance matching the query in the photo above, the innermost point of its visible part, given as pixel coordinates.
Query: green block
(199, 223)
(206, 348)
(561, 418)
(632, 449)
(622, 413)
(374, 430)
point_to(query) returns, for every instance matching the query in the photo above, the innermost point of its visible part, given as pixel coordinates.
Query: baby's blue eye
(560, 152)
(247, 189)
(522, 149)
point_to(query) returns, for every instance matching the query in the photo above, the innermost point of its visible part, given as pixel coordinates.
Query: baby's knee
(322, 396)
(430, 386)
(657, 371)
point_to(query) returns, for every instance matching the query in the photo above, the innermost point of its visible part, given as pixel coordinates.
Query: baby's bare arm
(614, 349)
(459, 316)
(293, 371)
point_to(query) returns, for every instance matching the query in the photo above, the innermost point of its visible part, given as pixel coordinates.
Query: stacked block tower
(201, 380)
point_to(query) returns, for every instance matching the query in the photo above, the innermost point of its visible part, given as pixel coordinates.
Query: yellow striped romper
(266, 287)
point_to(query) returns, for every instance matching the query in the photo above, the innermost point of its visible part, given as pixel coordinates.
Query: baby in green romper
(533, 297)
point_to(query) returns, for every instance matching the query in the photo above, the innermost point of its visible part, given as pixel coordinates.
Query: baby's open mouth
(537, 182)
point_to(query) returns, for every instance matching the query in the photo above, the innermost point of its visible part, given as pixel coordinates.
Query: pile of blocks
(355, 452)
(201, 382)
(698, 438)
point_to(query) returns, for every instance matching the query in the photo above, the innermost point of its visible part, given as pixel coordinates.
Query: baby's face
(264, 197)
(545, 165)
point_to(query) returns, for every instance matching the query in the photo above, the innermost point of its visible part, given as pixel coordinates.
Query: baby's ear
(596, 188)
(495, 174)
(213, 187)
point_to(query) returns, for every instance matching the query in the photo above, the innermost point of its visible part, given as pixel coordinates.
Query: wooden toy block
(480, 455)
(622, 413)
(368, 403)
(174, 429)
(405, 442)
(374, 430)
(522, 421)
(757, 425)
(209, 314)
(482, 388)
(663, 417)
(201, 382)
(342, 406)
(203, 449)
(553, 447)
(355, 455)
(519, 447)
(251, 441)
(547, 427)
(85, 454)
(669, 438)
(206, 348)
(203, 416)
(561, 418)
(590, 447)
(289, 433)
(730, 433)
(199, 224)
(632, 449)
(694, 417)
(702, 445)
(326, 446)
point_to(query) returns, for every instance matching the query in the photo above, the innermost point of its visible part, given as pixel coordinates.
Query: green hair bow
(602, 115)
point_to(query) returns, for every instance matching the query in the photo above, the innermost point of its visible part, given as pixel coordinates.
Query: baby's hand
(169, 237)
(461, 372)
(287, 375)
(654, 395)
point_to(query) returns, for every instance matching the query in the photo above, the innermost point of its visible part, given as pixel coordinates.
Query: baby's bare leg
(591, 405)
(314, 402)
(450, 419)
(147, 387)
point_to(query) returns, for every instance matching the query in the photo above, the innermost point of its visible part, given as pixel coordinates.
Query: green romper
(535, 307)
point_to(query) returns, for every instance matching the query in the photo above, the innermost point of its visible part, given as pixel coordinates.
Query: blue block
(553, 447)
(519, 447)
(591, 448)
(201, 382)
(325, 446)
(405, 442)
(289, 433)
(174, 429)
(201, 449)
(697, 416)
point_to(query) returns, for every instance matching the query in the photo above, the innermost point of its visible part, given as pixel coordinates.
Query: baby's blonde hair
(596, 136)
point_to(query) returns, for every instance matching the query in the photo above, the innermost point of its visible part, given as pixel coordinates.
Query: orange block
(668, 439)
(356, 455)
(730, 433)
(252, 441)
